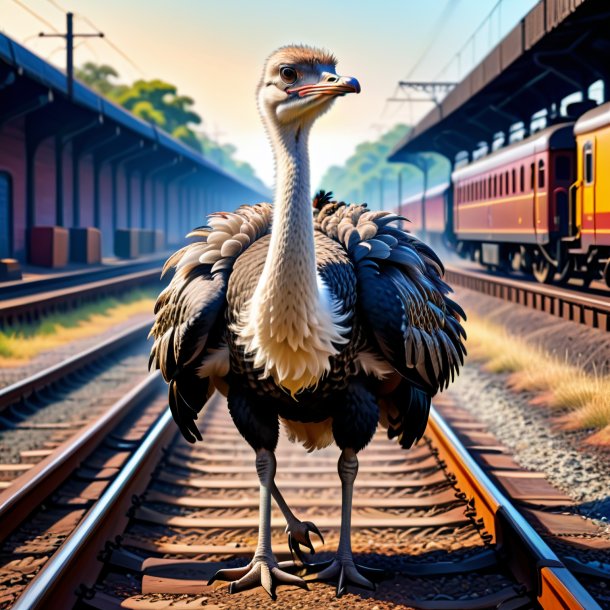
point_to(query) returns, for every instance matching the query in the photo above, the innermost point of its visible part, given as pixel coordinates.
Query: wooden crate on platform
(85, 245)
(49, 246)
(146, 241)
(126, 243)
(9, 269)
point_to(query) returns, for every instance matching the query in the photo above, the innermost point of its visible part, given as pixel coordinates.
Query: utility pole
(400, 193)
(70, 36)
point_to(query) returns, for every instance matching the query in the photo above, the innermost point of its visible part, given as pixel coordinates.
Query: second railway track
(583, 308)
(430, 517)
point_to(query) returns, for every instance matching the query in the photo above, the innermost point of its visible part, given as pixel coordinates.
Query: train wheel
(566, 272)
(542, 269)
(606, 273)
(526, 259)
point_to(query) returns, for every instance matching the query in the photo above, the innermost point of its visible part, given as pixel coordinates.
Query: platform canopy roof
(559, 47)
(18, 63)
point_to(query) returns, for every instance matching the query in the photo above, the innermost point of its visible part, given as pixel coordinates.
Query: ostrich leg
(298, 531)
(263, 570)
(343, 569)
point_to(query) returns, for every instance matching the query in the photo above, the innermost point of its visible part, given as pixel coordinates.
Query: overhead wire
(437, 27)
(57, 6)
(469, 39)
(113, 46)
(34, 14)
(92, 25)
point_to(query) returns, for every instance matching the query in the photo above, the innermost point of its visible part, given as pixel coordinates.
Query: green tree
(100, 78)
(158, 102)
(367, 176)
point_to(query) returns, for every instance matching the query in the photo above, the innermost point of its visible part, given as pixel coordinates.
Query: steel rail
(55, 584)
(22, 288)
(530, 558)
(22, 389)
(26, 308)
(584, 309)
(34, 486)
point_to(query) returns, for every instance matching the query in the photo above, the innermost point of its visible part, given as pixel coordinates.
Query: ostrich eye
(288, 74)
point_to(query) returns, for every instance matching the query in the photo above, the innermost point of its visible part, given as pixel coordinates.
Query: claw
(289, 579)
(345, 572)
(229, 574)
(261, 572)
(298, 534)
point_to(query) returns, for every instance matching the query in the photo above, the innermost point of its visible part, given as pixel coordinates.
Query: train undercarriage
(556, 262)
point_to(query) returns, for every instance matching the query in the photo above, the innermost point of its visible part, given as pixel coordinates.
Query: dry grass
(583, 398)
(22, 343)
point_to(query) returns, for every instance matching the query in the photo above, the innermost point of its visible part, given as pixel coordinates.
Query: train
(540, 205)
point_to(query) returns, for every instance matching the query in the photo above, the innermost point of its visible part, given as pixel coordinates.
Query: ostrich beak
(331, 84)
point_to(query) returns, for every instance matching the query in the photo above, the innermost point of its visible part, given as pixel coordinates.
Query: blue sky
(214, 51)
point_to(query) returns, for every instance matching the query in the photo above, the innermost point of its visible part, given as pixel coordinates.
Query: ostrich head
(299, 84)
(292, 325)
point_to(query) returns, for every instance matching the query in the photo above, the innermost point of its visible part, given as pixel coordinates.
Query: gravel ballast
(531, 431)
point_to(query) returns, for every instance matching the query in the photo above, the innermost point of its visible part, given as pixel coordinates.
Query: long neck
(292, 326)
(290, 268)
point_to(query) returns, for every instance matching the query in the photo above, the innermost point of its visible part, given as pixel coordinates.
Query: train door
(588, 189)
(539, 177)
(6, 215)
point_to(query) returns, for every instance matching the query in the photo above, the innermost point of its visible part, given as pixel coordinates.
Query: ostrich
(328, 318)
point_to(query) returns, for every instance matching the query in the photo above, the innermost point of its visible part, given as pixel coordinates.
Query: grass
(580, 399)
(21, 343)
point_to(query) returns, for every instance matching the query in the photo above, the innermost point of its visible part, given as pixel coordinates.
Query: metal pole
(70, 53)
(69, 36)
(400, 193)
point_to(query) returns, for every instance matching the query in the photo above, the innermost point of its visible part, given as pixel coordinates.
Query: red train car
(430, 213)
(511, 207)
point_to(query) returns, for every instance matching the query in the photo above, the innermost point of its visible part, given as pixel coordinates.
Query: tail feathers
(408, 413)
(188, 394)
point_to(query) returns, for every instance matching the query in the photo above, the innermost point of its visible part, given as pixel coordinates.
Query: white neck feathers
(292, 323)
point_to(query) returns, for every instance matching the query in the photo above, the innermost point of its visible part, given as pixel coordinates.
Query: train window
(588, 162)
(540, 174)
(562, 167)
(522, 178)
(489, 191)
(506, 184)
(501, 181)
(495, 185)
(532, 176)
(514, 182)
(484, 185)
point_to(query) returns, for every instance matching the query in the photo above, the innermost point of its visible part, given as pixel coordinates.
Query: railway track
(42, 508)
(431, 517)
(43, 416)
(590, 310)
(28, 303)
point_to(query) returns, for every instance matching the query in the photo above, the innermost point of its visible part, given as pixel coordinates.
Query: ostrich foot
(344, 571)
(298, 534)
(261, 571)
